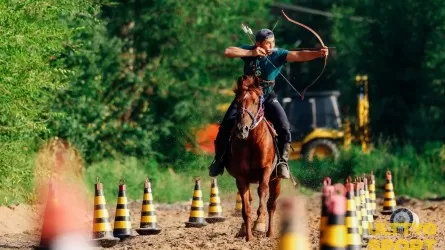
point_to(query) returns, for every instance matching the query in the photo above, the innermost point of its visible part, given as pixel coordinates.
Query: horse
(253, 155)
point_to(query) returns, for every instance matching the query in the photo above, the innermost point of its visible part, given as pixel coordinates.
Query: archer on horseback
(264, 61)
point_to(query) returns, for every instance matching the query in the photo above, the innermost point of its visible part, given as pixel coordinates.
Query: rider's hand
(324, 52)
(258, 51)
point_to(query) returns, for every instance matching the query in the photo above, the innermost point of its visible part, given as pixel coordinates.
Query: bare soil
(19, 226)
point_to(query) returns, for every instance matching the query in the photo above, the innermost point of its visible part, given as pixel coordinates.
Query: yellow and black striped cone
(196, 218)
(389, 198)
(293, 224)
(102, 231)
(122, 221)
(238, 205)
(215, 209)
(149, 223)
(334, 235)
(326, 192)
(372, 197)
(364, 214)
(353, 238)
(358, 204)
(368, 204)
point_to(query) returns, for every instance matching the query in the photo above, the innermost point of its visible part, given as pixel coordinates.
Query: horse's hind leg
(274, 192)
(263, 190)
(246, 228)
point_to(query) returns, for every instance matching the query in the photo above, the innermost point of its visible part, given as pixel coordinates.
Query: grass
(416, 175)
(413, 174)
(168, 185)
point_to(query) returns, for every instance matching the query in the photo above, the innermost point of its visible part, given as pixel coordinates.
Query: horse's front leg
(274, 191)
(243, 189)
(263, 190)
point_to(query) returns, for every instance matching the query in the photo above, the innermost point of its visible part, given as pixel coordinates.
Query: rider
(265, 61)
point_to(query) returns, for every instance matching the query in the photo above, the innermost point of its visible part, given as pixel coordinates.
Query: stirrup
(282, 168)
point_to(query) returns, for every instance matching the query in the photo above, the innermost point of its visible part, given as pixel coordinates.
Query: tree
(34, 31)
(398, 44)
(164, 83)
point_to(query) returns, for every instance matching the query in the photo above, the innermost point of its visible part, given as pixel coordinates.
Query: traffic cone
(102, 232)
(372, 198)
(389, 201)
(326, 192)
(215, 209)
(334, 236)
(122, 221)
(293, 224)
(353, 238)
(238, 205)
(196, 218)
(358, 204)
(148, 225)
(364, 214)
(368, 204)
(51, 206)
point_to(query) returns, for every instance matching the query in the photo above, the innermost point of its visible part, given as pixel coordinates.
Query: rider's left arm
(303, 55)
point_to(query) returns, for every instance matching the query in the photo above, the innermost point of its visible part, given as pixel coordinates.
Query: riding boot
(282, 165)
(217, 167)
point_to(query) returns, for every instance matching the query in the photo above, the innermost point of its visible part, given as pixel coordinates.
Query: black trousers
(274, 113)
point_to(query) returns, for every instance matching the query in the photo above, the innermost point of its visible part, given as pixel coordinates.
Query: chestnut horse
(252, 156)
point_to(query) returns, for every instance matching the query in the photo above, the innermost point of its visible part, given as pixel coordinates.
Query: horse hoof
(260, 227)
(242, 232)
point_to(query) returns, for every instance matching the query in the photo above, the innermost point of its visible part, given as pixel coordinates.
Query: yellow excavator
(318, 129)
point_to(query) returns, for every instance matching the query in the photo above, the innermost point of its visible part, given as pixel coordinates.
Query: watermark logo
(392, 235)
(383, 236)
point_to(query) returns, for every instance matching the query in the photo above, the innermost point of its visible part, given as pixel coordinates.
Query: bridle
(256, 119)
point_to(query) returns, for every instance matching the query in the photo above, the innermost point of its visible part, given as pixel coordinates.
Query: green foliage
(417, 175)
(33, 33)
(403, 55)
(147, 78)
(164, 181)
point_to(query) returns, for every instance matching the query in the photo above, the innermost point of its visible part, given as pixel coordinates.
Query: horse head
(249, 96)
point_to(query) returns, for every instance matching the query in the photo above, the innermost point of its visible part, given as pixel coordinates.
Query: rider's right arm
(232, 52)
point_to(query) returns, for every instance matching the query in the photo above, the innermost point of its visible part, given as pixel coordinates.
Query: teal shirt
(266, 71)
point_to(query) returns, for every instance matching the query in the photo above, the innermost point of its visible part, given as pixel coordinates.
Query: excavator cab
(316, 125)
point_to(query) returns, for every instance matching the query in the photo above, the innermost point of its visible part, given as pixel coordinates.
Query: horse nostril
(239, 127)
(246, 129)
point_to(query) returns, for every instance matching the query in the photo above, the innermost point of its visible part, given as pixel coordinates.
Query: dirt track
(18, 232)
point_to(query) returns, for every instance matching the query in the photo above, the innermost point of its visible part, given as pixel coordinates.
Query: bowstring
(267, 58)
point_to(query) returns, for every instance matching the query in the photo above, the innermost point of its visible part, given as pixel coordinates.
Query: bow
(321, 42)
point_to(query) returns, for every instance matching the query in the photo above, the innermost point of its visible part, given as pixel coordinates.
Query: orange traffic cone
(62, 217)
(293, 223)
(51, 207)
(389, 201)
(148, 225)
(122, 221)
(215, 209)
(196, 218)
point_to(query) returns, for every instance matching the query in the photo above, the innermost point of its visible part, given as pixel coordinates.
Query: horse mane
(247, 83)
